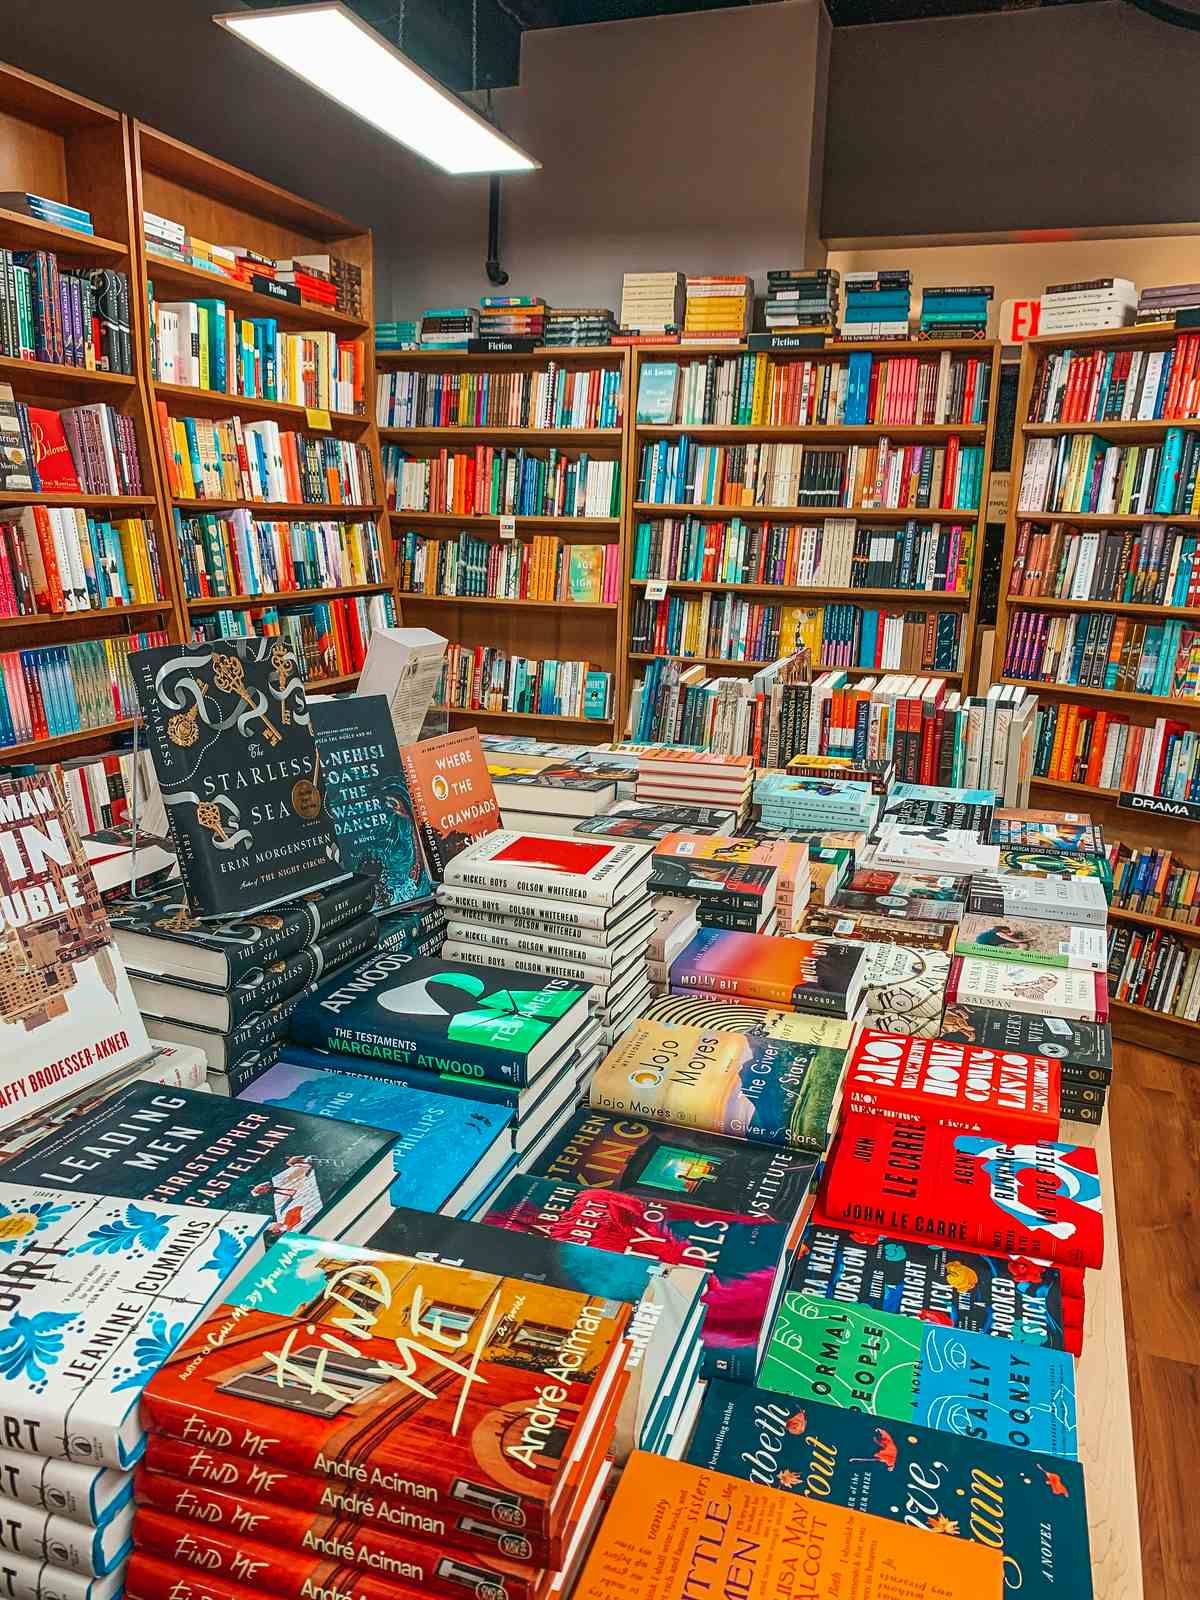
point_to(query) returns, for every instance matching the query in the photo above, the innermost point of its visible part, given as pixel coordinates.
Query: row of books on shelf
(319, 278)
(45, 208)
(1154, 565)
(1102, 651)
(1154, 969)
(227, 553)
(206, 345)
(56, 559)
(328, 639)
(884, 475)
(1086, 474)
(232, 460)
(1105, 750)
(482, 678)
(88, 449)
(1094, 385)
(1154, 883)
(835, 553)
(760, 390)
(559, 397)
(63, 316)
(501, 482)
(541, 568)
(56, 690)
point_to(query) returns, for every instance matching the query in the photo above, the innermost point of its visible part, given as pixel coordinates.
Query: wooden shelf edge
(824, 666)
(103, 613)
(609, 437)
(1030, 602)
(437, 519)
(36, 750)
(788, 433)
(1148, 919)
(16, 369)
(501, 600)
(901, 596)
(88, 502)
(287, 410)
(235, 602)
(281, 508)
(798, 513)
(1166, 704)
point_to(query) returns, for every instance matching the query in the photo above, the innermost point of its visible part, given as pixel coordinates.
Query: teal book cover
(658, 385)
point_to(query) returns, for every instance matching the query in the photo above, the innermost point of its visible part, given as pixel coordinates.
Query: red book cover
(51, 454)
(1002, 1093)
(916, 1180)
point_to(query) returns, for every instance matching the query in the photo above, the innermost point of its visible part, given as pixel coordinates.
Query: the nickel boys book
(451, 793)
(228, 727)
(919, 1181)
(824, 975)
(595, 872)
(1001, 1093)
(492, 1023)
(1083, 1049)
(1033, 1510)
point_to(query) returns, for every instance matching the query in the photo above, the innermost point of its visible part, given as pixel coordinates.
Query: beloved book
(52, 456)
(904, 989)
(450, 793)
(1037, 1198)
(693, 1011)
(1004, 1094)
(491, 1023)
(227, 725)
(98, 1291)
(670, 1520)
(1071, 900)
(832, 922)
(933, 897)
(598, 1151)
(1032, 942)
(596, 872)
(1082, 1049)
(368, 800)
(1038, 990)
(756, 1088)
(1001, 1499)
(824, 975)
(904, 1370)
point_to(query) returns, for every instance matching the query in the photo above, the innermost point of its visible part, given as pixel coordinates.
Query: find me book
(492, 1023)
(906, 1370)
(1030, 1508)
(228, 727)
(822, 975)
(96, 1293)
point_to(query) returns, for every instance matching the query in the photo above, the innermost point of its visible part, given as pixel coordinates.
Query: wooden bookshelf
(226, 205)
(1137, 829)
(556, 630)
(638, 511)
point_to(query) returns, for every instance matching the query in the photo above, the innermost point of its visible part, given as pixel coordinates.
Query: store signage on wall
(1018, 320)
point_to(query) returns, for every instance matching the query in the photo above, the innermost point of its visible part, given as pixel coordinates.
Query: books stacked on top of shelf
(1104, 749)
(676, 919)
(537, 794)
(88, 449)
(735, 882)
(323, 279)
(801, 301)
(651, 307)
(70, 318)
(1089, 304)
(958, 311)
(877, 304)
(719, 309)
(1161, 302)
(42, 209)
(825, 976)
(578, 327)
(793, 801)
(666, 773)
(448, 328)
(391, 336)
(511, 317)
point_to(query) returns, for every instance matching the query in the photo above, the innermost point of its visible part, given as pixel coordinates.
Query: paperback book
(643, 819)
(1032, 942)
(1079, 901)
(932, 897)
(1042, 991)
(833, 922)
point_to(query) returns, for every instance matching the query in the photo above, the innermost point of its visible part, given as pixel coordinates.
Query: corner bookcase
(1135, 828)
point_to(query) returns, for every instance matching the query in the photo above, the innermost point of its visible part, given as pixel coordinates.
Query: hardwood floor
(1154, 1127)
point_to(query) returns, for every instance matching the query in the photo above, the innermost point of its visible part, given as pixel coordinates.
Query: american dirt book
(451, 794)
(153, 1145)
(1031, 1510)
(1005, 1094)
(1037, 990)
(368, 799)
(33, 1539)
(598, 1151)
(905, 1370)
(904, 989)
(1032, 942)
(670, 1521)
(96, 1291)
(822, 975)
(693, 1011)
(448, 1389)
(228, 727)
(919, 1181)
(595, 872)
(495, 1024)
(932, 897)
(76, 1490)
(68, 1017)
(832, 922)
(1082, 1049)
(764, 1090)
(743, 1258)
(1072, 900)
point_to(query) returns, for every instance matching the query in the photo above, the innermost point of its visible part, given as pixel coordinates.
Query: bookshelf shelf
(643, 508)
(1033, 602)
(552, 438)
(904, 597)
(1161, 704)
(282, 597)
(1146, 920)
(602, 355)
(27, 233)
(526, 716)
(1151, 428)
(1074, 788)
(52, 380)
(837, 349)
(754, 666)
(898, 432)
(1144, 1016)
(408, 596)
(85, 619)
(284, 508)
(83, 739)
(182, 398)
(89, 502)
(450, 519)
(1104, 519)
(175, 280)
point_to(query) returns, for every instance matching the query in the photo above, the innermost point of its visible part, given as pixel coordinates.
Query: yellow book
(758, 403)
(202, 328)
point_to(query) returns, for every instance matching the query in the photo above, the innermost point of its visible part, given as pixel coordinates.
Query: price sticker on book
(319, 421)
(656, 589)
(508, 527)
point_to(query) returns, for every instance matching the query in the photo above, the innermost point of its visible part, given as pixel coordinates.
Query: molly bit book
(822, 975)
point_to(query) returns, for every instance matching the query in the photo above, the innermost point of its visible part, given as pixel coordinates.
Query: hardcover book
(1001, 1499)
(595, 872)
(904, 989)
(644, 819)
(904, 1370)
(368, 799)
(932, 897)
(832, 922)
(920, 1181)
(1079, 1047)
(1032, 942)
(1071, 900)
(76, 1490)
(450, 793)
(822, 975)
(36, 1539)
(1038, 990)
(227, 725)
(798, 1027)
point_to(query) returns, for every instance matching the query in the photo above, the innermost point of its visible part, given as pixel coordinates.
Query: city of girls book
(98, 1290)
(596, 872)
(822, 975)
(1082, 1049)
(1037, 990)
(694, 1011)
(228, 727)
(451, 794)
(1033, 942)
(444, 1387)
(905, 1370)
(669, 1520)
(1029, 1508)
(756, 1088)
(918, 1181)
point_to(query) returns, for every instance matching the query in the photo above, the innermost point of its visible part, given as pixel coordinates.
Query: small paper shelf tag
(508, 527)
(319, 421)
(656, 589)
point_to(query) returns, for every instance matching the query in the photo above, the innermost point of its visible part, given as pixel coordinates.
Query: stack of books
(43, 209)
(927, 896)
(652, 305)
(397, 336)
(804, 301)
(676, 919)
(696, 778)
(570, 327)
(957, 311)
(448, 327)
(537, 794)
(801, 804)
(511, 316)
(652, 820)
(1161, 303)
(877, 304)
(1091, 303)
(718, 310)
(730, 890)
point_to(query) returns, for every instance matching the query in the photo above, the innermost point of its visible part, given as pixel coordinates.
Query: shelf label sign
(656, 589)
(508, 527)
(1159, 805)
(999, 489)
(318, 421)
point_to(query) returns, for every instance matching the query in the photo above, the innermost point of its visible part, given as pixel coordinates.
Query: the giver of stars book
(1030, 1508)
(228, 727)
(451, 793)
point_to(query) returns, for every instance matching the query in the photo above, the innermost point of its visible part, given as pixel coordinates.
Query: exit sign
(1018, 320)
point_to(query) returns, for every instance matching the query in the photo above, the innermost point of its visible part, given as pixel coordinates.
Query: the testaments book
(227, 724)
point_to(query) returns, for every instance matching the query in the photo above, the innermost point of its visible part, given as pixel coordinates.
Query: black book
(227, 724)
(1076, 1044)
(252, 1045)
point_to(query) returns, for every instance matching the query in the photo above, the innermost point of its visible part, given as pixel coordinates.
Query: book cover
(933, 897)
(717, 884)
(658, 386)
(51, 454)
(1039, 990)
(670, 1521)
(908, 848)
(492, 1023)
(1068, 832)
(597, 1151)
(1035, 1198)
(451, 794)
(760, 1089)
(904, 989)
(1070, 900)
(15, 465)
(1053, 864)
(367, 798)
(905, 1370)
(1032, 942)
(830, 1033)
(573, 869)
(811, 974)
(76, 1490)
(227, 725)
(1081, 1047)
(644, 819)
(832, 922)
(1001, 1499)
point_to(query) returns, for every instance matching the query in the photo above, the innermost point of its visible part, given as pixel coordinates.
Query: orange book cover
(675, 1530)
(451, 793)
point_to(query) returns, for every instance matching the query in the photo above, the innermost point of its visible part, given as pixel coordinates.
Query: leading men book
(594, 872)
(228, 727)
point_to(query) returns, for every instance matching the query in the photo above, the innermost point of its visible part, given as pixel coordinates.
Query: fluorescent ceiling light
(335, 51)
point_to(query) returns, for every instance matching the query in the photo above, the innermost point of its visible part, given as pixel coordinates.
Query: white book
(1076, 900)
(946, 850)
(71, 1490)
(45, 1537)
(1009, 986)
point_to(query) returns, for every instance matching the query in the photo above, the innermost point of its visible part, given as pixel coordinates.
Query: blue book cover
(658, 386)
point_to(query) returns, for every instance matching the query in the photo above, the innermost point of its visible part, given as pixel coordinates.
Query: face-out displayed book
(1014, 986)
(1032, 942)
(1015, 863)
(998, 1497)
(1081, 901)
(595, 872)
(1036, 1198)
(909, 847)
(450, 793)
(904, 988)
(702, 1011)
(228, 727)
(650, 820)
(906, 1370)
(669, 1519)
(822, 975)
(930, 896)
(1083, 1050)
(1063, 832)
